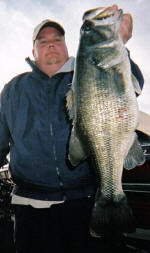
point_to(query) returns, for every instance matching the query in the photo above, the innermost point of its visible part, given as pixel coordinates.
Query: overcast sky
(19, 17)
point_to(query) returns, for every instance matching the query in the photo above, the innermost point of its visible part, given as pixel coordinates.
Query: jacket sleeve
(4, 132)
(137, 73)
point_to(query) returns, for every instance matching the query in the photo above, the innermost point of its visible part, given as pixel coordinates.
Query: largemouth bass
(103, 107)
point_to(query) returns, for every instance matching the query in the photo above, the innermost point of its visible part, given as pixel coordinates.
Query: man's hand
(126, 25)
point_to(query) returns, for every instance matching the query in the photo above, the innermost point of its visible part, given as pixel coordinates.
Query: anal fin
(135, 155)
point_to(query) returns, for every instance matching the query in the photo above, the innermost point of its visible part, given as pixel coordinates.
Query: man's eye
(43, 42)
(57, 40)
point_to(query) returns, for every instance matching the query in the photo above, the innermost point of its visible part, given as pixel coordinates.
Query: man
(52, 203)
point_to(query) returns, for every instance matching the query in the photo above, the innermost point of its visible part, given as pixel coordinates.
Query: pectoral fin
(76, 151)
(70, 104)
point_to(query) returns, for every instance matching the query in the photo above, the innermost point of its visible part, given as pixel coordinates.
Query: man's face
(50, 48)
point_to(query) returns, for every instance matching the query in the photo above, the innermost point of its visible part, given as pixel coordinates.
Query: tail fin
(108, 216)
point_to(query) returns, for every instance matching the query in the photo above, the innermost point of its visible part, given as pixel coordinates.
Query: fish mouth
(103, 15)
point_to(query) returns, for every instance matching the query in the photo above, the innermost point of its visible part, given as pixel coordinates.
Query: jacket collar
(67, 67)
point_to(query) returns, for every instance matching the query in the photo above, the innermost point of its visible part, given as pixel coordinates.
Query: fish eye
(86, 27)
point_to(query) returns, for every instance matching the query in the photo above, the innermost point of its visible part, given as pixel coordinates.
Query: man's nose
(51, 44)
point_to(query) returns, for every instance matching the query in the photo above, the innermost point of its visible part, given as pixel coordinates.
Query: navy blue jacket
(35, 129)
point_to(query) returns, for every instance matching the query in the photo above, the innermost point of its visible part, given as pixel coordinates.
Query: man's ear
(33, 52)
